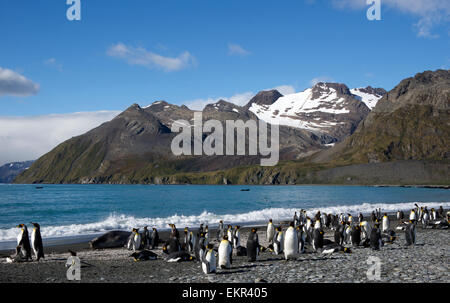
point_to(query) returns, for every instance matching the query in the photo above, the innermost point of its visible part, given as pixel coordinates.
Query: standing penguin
(146, 239)
(225, 253)
(301, 239)
(186, 238)
(237, 237)
(23, 241)
(134, 241)
(400, 215)
(375, 238)
(290, 242)
(366, 229)
(230, 234)
(412, 215)
(410, 233)
(425, 218)
(202, 246)
(385, 223)
(192, 242)
(433, 214)
(174, 233)
(206, 235)
(296, 219)
(356, 235)
(278, 241)
(209, 261)
(339, 233)
(270, 231)
(317, 239)
(360, 217)
(252, 245)
(220, 231)
(155, 238)
(36, 241)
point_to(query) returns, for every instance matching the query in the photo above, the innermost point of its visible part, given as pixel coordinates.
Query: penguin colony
(288, 240)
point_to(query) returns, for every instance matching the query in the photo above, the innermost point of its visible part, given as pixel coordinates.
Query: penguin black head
(36, 225)
(254, 230)
(72, 253)
(210, 246)
(291, 224)
(154, 229)
(21, 226)
(135, 230)
(225, 237)
(186, 229)
(270, 220)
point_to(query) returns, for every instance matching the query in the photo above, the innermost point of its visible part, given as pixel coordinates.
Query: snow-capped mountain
(368, 95)
(325, 108)
(10, 170)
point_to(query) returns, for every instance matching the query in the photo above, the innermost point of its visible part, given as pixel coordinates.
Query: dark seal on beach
(111, 239)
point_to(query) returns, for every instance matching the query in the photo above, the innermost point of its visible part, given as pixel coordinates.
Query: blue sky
(193, 52)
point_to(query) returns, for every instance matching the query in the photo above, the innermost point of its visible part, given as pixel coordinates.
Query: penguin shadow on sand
(230, 271)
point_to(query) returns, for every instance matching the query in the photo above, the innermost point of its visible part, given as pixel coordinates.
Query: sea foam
(125, 222)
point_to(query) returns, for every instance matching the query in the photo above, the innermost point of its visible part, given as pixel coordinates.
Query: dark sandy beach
(427, 261)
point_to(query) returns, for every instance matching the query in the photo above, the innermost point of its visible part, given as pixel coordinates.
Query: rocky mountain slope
(403, 140)
(10, 170)
(411, 122)
(328, 108)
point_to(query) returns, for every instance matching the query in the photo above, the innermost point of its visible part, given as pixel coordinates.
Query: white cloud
(141, 56)
(316, 80)
(240, 99)
(28, 138)
(54, 64)
(430, 12)
(235, 49)
(14, 84)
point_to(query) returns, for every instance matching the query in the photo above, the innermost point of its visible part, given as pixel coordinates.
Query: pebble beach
(427, 261)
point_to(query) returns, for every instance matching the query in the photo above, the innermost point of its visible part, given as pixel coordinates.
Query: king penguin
(317, 239)
(220, 230)
(237, 236)
(290, 243)
(356, 235)
(23, 241)
(134, 241)
(36, 241)
(252, 246)
(230, 234)
(155, 238)
(375, 238)
(270, 231)
(209, 261)
(425, 219)
(385, 223)
(301, 239)
(278, 241)
(146, 239)
(410, 233)
(225, 252)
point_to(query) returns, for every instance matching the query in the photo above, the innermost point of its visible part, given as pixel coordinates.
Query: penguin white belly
(224, 254)
(230, 235)
(385, 224)
(290, 243)
(33, 238)
(19, 237)
(270, 232)
(136, 242)
(278, 248)
(210, 259)
(237, 239)
(412, 216)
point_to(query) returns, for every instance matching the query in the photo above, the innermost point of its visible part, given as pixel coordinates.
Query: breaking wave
(126, 222)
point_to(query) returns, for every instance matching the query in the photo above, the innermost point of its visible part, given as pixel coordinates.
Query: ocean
(74, 211)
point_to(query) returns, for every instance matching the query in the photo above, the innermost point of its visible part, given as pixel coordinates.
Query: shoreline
(8, 246)
(430, 255)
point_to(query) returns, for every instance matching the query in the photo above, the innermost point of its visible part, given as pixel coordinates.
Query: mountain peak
(267, 97)
(328, 87)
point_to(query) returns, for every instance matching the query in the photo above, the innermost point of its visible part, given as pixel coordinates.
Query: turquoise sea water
(74, 210)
